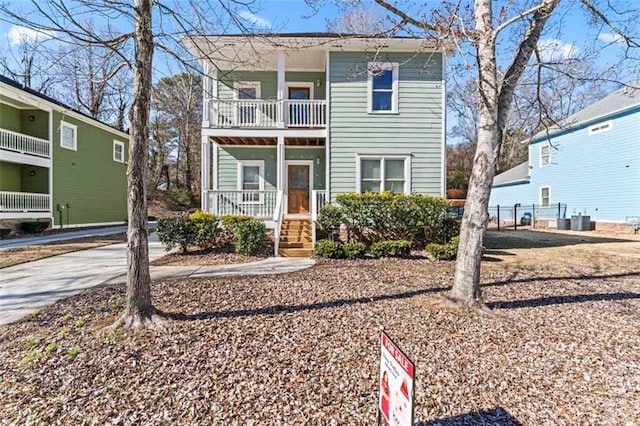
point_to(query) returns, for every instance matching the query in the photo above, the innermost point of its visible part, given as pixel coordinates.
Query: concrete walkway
(32, 286)
(63, 236)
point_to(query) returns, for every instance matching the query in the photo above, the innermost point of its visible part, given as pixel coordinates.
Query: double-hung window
(383, 173)
(68, 136)
(383, 87)
(545, 196)
(545, 155)
(251, 180)
(247, 94)
(118, 151)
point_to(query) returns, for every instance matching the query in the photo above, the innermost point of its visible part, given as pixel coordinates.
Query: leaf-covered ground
(302, 348)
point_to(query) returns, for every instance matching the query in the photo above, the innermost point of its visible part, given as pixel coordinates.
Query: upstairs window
(118, 151)
(247, 111)
(377, 174)
(68, 136)
(545, 155)
(383, 87)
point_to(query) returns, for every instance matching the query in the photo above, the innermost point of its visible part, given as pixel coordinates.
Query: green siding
(416, 129)
(35, 122)
(9, 177)
(9, 118)
(228, 158)
(34, 179)
(88, 180)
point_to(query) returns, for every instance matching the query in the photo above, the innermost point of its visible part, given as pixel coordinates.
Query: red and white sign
(397, 374)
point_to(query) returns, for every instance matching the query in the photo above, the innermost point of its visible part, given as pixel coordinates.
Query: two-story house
(57, 164)
(590, 162)
(292, 120)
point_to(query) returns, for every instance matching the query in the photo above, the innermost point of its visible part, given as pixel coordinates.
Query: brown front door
(298, 189)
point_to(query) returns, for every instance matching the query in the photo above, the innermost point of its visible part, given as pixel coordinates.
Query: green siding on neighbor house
(88, 180)
(19, 120)
(9, 177)
(9, 118)
(229, 157)
(416, 129)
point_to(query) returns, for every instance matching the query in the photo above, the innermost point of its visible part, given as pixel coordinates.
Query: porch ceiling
(268, 141)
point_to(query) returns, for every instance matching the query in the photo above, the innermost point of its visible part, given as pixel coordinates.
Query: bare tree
(483, 27)
(357, 19)
(26, 60)
(177, 19)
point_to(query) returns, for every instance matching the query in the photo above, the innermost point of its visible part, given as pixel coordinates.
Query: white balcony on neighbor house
(24, 144)
(17, 205)
(267, 114)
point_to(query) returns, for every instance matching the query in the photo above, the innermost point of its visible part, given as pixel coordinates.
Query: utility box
(580, 223)
(563, 224)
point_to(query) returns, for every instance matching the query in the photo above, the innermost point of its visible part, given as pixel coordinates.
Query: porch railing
(259, 113)
(260, 204)
(318, 199)
(24, 144)
(24, 202)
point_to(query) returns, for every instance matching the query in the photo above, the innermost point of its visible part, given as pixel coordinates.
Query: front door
(298, 189)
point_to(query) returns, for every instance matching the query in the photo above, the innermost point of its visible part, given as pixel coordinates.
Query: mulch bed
(302, 348)
(204, 258)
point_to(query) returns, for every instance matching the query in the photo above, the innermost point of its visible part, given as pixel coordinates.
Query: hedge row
(329, 249)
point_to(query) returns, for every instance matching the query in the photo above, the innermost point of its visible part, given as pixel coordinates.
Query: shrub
(372, 217)
(230, 221)
(180, 197)
(354, 250)
(401, 248)
(447, 251)
(328, 249)
(250, 237)
(4, 232)
(330, 218)
(177, 231)
(207, 227)
(34, 227)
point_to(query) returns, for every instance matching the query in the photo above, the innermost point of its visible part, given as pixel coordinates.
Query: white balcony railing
(24, 202)
(259, 204)
(258, 113)
(24, 144)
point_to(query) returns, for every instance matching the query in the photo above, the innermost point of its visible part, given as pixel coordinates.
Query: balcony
(24, 144)
(17, 205)
(267, 114)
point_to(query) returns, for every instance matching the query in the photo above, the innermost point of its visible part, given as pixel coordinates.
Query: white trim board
(407, 169)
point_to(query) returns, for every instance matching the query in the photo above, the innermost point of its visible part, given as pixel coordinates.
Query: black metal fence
(524, 214)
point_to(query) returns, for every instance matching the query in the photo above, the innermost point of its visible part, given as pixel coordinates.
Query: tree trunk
(139, 308)
(466, 286)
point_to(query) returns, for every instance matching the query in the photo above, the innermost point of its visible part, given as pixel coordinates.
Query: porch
(24, 205)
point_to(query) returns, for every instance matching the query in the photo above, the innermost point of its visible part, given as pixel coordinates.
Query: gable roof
(59, 104)
(517, 174)
(620, 101)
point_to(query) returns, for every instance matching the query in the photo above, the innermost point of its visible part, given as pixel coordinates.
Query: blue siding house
(590, 162)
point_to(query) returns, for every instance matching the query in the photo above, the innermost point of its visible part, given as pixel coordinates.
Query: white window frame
(546, 145)
(252, 163)
(121, 145)
(237, 86)
(596, 129)
(547, 187)
(73, 127)
(382, 158)
(372, 68)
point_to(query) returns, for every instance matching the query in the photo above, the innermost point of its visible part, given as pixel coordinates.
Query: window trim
(602, 127)
(545, 145)
(73, 127)
(382, 157)
(548, 187)
(237, 86)
(121, 144)
(261, 179)
(383, 66)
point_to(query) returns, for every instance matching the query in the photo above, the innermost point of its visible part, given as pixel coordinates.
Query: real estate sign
(397, 374)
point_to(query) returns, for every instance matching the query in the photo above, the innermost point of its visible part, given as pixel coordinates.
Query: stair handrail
(278, 214)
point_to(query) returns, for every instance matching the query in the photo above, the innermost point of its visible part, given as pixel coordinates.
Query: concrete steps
(296, 238)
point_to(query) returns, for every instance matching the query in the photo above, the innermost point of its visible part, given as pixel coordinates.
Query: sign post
(397, 378)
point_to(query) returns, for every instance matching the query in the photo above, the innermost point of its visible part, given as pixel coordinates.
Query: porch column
(280, 163)
(281, 89)
(205, 170)
(210, 94)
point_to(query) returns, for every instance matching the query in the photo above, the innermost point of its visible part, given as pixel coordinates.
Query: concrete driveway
(29, 287)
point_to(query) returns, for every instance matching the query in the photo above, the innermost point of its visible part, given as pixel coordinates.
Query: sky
(568, 34)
